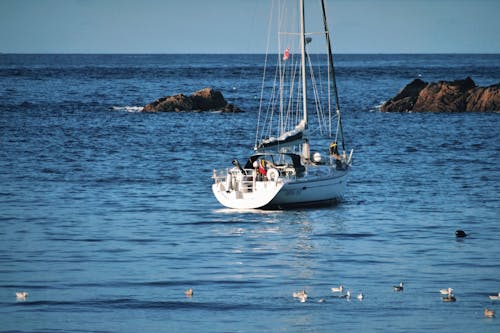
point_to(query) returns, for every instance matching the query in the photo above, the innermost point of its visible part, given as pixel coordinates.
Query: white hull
(311, 191)
(319, 185)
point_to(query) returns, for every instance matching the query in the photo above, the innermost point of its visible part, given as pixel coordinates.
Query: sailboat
(283, 171)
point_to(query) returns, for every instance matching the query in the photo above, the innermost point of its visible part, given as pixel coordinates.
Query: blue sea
(107, 215)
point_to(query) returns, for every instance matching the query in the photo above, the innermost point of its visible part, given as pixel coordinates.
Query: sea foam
(127, 108)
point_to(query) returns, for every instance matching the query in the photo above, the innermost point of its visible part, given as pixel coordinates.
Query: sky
(240, 26)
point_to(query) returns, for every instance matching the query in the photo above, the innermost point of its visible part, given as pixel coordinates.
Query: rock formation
(447, 96)
(201, 100)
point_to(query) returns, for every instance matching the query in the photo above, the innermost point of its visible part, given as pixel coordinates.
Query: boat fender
(273, 174)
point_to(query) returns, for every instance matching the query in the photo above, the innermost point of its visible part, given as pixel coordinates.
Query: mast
(332, 70)
(303, 61)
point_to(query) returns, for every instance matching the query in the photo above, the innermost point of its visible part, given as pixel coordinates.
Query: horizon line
(242, 53)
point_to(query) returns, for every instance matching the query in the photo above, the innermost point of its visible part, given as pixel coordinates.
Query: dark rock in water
(460, 233)
(201, 100)
(406, 98)
(484, 98)
(445, 96)
(208, 99)
(449, 96)
(231, 108)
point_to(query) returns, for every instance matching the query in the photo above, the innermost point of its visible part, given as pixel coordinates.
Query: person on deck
(334, 152)
(262, 168)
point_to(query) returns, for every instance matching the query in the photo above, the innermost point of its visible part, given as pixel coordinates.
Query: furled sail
(285, 139)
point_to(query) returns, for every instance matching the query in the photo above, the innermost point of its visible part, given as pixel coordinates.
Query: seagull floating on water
(338, 289)
(449, 297)
(298, 294)
(497, 297)
(489, 313)
(301, 295)
(448, 291)
(21, 295)
(347, 296)
(360, 296)
(399, 288)
(189, 292)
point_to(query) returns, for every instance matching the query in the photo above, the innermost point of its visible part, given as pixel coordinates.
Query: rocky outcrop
(484, 99)
(446, 96)
(406, 98)
(202, 100)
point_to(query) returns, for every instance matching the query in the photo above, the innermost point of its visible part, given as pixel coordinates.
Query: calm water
(107, 217)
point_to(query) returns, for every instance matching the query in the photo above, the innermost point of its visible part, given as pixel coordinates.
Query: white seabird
(347, 296)
(495, 297)
(338, 289)
(448, 291)
(21, 295)
(301, 295)
(399, 288)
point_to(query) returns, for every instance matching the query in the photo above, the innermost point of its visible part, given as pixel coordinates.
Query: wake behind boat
(281, 173)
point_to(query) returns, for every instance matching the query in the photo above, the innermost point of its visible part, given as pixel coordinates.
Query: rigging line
(298, 102)
(287, 76)
(322, 118)
(325, 118)
(267, 123)
(294, 112)
(325, 89)
(338, 126)
(329, 93)
(273, 105)
(267, 126)
(289, 95)
(290, 120)
(268, 42)
(334, 81)
(317, 59)
(284, 116)
(270, 108)
(282, 67)
(317, 104)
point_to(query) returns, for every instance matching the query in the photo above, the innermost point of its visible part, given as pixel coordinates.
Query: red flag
(286, 55)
